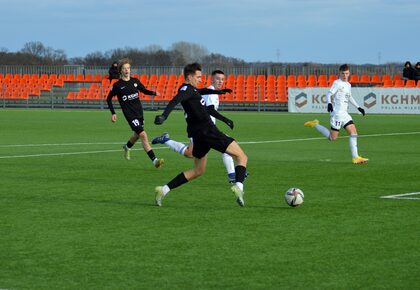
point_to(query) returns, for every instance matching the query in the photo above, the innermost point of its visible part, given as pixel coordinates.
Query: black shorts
(136, 124)
(210, 138)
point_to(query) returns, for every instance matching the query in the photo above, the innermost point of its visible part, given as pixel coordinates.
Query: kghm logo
(301, 100)
(369, 100)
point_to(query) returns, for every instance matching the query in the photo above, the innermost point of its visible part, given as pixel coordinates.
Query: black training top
(196, 113)
(127, 93)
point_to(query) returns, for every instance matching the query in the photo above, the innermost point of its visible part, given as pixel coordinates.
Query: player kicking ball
(339, 117)
(211, 99)
(204, 135)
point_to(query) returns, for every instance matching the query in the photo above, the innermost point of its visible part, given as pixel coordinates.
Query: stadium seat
(302, 80)
(88, 78)
(388, 83)
(331, 79)
(354, 79)
(364, 79)
(312, 81)
(386, 78)
(291, 81)
(397, 77)
(399, 83)
(376, 79)
(80, 78)
(410, 84)
(97, 78)
(71, 95)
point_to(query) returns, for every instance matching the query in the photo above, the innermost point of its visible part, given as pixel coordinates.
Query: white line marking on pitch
(402, 196)
(158, 147)
(68, 153)
(246, 142)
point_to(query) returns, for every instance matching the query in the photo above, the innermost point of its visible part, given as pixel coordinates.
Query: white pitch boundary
(246, 142)
(157, 148)
(402, 196)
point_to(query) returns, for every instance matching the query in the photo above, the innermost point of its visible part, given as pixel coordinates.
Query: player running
(127, 91)
(204, 135)
(211, 100)
(339, 117)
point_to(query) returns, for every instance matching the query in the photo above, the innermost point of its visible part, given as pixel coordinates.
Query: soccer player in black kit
(204, 134)
(127, 91)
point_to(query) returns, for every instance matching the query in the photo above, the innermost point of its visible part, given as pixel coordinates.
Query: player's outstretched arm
(212, 111)
(361, 110)
(169, 107)
(206, 91)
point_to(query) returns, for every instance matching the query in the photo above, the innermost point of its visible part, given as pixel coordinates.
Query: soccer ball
(294, 196)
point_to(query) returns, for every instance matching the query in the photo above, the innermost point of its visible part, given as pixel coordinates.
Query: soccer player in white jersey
(339, 117)
(217, 82)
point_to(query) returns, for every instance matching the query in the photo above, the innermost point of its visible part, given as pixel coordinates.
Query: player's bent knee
(188, 153)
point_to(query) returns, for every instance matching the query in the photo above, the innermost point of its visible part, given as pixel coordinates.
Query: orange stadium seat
(397, 77)
(312, 81)
(376, 79)
(322, 79)
(364, 79)
(388, 83)
(410, 84)
(331, 79)
(399, 83)
(386, 78)
(291, 81)
(354, 79)
(80, 78)
(89, 78)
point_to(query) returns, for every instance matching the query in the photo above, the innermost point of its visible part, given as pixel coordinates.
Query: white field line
(157, 148)
(402, 196)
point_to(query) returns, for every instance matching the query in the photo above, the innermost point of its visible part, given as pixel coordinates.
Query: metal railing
(254, 69)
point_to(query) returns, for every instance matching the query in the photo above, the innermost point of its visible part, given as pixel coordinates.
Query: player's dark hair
(217, 71)
(191, 68)
(344, 67)
(122, 62)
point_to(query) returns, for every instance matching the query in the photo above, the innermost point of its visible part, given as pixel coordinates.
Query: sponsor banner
(373, 100)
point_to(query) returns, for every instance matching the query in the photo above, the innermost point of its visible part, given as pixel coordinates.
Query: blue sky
(325, 31)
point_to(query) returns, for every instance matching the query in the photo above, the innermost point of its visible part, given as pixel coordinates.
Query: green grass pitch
(76, 215)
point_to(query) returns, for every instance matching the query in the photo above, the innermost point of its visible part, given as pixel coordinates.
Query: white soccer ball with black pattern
(294, 196)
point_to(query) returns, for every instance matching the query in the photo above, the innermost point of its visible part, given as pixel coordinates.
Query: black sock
(240, 173)
(129, 144)
(151, 154)
(179, 180)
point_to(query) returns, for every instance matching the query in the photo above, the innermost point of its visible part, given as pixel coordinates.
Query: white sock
(176, 146)
(324, 131)
(228, 161)
(240, 185)
(165, 190)
(353, 145)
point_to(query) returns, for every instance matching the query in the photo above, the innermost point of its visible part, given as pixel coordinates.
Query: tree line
(179, 53)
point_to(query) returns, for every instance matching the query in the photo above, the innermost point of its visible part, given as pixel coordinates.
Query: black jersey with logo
(196, 113)
(127, 93)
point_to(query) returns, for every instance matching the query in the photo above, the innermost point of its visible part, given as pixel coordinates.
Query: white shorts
(338, 120)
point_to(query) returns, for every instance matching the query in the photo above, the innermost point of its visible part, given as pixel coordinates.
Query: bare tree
(190, 52)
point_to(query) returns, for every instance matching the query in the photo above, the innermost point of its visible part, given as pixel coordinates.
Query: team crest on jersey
(135, 85)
